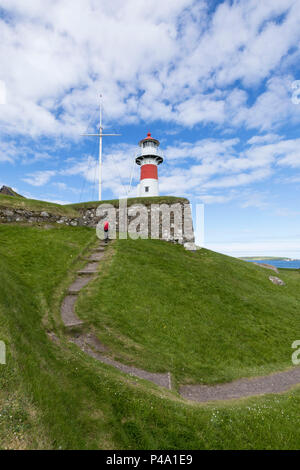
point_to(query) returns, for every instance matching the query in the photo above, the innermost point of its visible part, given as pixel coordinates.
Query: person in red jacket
(106, 228)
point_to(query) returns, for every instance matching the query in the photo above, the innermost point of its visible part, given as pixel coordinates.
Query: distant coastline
(281, 263)
(263, 258)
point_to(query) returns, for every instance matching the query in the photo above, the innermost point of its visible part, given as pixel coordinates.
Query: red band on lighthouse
(149, 171)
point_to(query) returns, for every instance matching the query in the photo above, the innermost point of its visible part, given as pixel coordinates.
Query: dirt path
(274, 383)
(88, 342)
(92, 346)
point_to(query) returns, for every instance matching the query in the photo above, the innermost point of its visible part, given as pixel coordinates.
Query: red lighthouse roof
(149, 138)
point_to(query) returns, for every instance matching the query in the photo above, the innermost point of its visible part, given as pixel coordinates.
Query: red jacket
(106, 226)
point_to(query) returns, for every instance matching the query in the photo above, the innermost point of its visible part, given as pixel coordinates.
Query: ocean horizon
(278, 263)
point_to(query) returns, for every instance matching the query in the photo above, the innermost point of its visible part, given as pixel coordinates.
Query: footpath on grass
(90, 344)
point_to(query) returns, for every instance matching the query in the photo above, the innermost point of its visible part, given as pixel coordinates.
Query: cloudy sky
(217, 82)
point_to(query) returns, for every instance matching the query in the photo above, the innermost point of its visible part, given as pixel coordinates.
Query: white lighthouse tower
(148, 159)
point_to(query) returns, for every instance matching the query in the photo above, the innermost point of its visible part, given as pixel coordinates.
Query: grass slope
(203, 316)
(74, 210)
(10, 202)
(54, 396)
(130, 202)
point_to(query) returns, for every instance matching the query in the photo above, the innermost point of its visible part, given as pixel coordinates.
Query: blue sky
(215, 82)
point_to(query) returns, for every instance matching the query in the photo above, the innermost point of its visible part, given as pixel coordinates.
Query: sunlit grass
(52, 395)
(203, 316)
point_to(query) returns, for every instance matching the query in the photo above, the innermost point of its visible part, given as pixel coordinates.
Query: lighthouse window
(148, 144)
(146, 189)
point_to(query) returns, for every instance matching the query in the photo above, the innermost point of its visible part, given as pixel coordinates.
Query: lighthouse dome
(149, 148)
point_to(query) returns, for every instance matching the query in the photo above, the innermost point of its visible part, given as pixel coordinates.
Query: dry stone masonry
(153, 221)
(32, 217)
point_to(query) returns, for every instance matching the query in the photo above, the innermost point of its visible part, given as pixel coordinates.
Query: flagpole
(100, 152)
(100, 135)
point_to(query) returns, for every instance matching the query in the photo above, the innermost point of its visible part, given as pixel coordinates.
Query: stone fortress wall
(170, 222)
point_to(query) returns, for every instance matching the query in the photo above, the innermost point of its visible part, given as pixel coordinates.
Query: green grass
(54, 396)
(130, 202)
(73, 210)
(10, 202)
(203, 316)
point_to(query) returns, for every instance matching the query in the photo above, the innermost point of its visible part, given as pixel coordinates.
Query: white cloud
(264, 139)
(207, 159)
(272, 108)
(2, 92)
(240, 179)
(87, 167)
(61, 186)
(8, 153)
(205, 149)
(39, 178)
(292, 179)
(153, 60)
(283, 153)
(200, 109)
(171, 61)
(194, 169)
(118, 164)
(215, 199)
(14, 150)
(255, 199)
(256, 41)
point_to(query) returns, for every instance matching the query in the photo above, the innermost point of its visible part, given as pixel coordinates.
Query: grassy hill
(201, 315)
(73, 210)
(9, 202)
(130, 202)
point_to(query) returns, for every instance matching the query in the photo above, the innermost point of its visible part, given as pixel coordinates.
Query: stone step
(77, 285)
(95, 257)
(90, 268)
(67, 311)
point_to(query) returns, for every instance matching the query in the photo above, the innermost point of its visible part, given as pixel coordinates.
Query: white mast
(100, 152)
(100, 135)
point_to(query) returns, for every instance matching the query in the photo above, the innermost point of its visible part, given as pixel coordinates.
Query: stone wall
(33, 217)
(144, 219)
(90, 217)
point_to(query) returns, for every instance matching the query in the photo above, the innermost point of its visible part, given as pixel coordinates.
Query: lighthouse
(148, 159)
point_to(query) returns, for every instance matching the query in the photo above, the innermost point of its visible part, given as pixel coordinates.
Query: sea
(279, 263)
